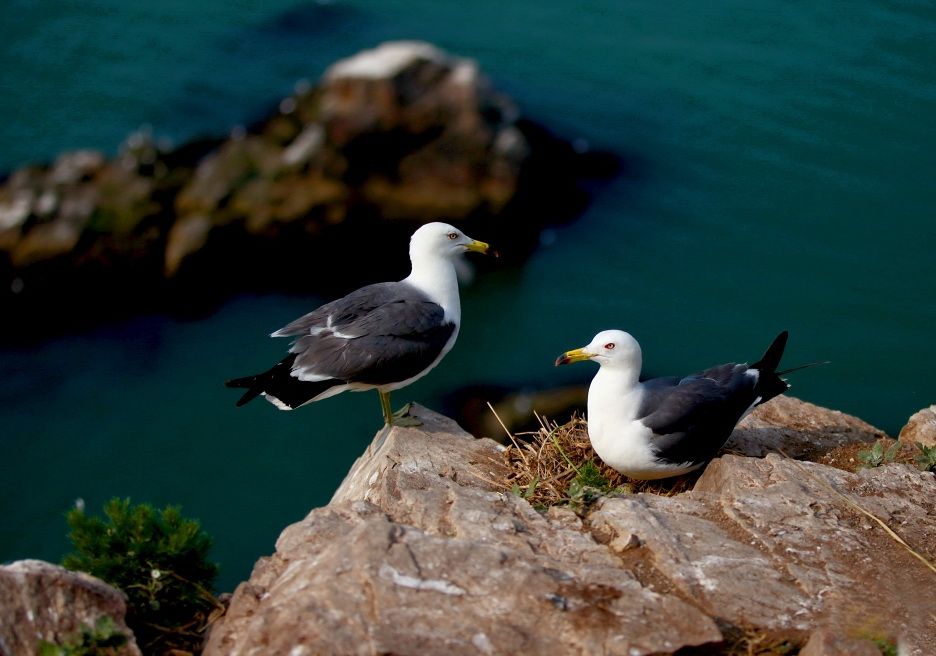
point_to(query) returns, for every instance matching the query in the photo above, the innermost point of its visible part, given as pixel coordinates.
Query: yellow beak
(477, 246)
(576, 355)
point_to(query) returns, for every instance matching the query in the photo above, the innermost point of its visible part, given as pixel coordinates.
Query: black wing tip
(250, 384)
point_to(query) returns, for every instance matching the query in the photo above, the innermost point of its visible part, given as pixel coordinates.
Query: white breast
(619, 439)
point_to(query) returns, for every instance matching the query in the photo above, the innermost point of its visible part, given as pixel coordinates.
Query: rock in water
(389, 139)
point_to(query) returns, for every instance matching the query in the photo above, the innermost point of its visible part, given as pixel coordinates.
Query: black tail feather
(279, 383)
(769, 383)
(253, 385)
(771, 358)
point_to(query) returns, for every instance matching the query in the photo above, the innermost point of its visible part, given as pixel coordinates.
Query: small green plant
(105, 639)
(527, 491)
(877, 455)
(927, 458)
(160, 561)
(887, 647)
(589, 475)
(587, 486)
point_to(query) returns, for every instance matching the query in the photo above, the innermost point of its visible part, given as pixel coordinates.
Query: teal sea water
(784, 176)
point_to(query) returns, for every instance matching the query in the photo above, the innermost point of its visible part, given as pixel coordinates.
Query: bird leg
(385, 407)
(399, 418)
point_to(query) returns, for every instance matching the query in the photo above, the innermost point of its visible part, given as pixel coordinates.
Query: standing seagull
(668, 426)
(382, 336)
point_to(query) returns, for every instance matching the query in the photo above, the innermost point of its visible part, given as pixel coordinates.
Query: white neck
(614, 393)
(614, 398)
(435, 277)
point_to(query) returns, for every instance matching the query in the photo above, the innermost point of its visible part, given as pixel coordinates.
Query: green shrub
(160, 561)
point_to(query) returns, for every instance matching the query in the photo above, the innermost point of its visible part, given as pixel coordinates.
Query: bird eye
(609, 346)
(453, 235)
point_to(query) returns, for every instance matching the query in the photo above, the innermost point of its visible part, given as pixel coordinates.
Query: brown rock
(15, 207)
(216, 178)
(920, 428)
(46, 241)
(187, 236)
(421, 552)
(826, 643)
(798, 429)
(75, 166)
(770, 543)
(431, 114)
(41, 601)
(418, 554)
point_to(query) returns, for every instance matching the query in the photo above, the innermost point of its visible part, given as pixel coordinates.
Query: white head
(614, 349)
(435, 240)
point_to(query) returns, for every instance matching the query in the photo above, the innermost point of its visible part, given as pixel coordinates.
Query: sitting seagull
(668, 426)
(382, 336)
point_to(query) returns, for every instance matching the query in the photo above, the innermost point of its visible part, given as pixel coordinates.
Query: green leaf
(892, 452)
(531, 488)
(50, 649)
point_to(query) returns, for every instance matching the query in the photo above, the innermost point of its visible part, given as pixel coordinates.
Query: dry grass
(556, 463)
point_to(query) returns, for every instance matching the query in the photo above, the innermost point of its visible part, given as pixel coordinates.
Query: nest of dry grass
(557, 465)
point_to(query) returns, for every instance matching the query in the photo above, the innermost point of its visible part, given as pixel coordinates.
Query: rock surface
(827, 643)
(421, 552)
(388, 139)
(798, 428)
(41, 601)
(920, 428)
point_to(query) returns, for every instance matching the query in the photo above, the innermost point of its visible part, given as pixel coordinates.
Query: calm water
(785, 163)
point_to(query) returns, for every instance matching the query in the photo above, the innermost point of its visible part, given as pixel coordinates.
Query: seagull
(383, 336)
(668, 426)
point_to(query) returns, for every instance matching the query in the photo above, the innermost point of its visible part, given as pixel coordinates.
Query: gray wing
(693, 417)
(348, 309)
(380, 334)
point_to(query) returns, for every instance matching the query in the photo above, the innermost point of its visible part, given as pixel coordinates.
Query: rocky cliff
(423, 551)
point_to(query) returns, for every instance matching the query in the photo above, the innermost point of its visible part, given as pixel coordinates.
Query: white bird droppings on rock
(434, 585)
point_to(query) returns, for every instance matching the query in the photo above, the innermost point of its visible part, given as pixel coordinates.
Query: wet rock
(920, 428)
(41, 601)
